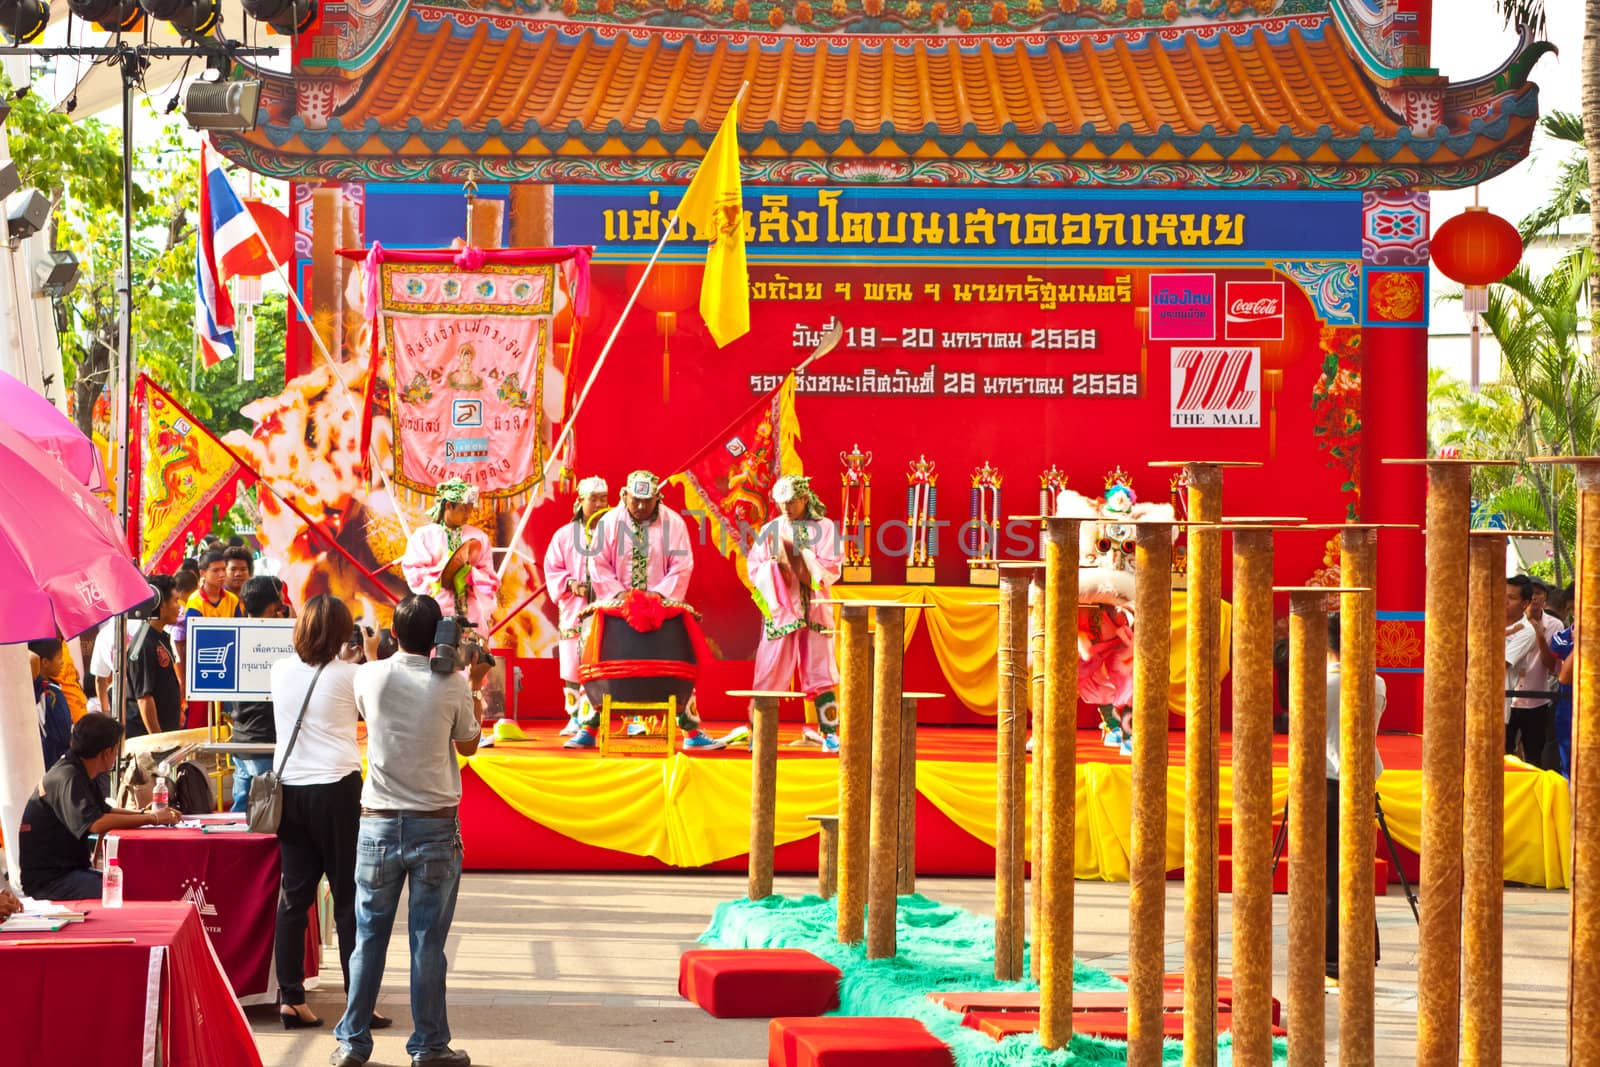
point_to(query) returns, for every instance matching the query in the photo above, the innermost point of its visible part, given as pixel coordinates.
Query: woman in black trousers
(319, 763)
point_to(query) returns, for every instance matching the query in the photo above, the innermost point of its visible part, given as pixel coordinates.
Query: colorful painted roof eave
(1047, 109)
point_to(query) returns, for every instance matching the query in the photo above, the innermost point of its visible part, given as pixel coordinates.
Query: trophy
(1180, 550)
(984, 527)
(1051, 485)
(922, 504)
(855, 523)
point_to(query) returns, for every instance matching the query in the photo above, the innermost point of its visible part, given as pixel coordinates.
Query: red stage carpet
(529, 805)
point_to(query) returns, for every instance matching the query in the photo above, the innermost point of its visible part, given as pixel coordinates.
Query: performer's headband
(453, 491)
(797, 486)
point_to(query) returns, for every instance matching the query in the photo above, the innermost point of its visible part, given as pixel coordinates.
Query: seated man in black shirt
(262, 598)
(155, 695)
(67, 808)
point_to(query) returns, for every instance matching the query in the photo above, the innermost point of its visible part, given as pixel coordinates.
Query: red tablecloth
(232, 879)
(161, 999)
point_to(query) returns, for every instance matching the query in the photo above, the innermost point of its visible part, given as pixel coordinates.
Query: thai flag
(228, 240)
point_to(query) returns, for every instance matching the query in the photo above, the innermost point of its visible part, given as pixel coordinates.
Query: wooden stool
(763, 783)
(827, 855)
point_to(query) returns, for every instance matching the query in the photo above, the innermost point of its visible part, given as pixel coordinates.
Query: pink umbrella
(63, 564)
(40, 422)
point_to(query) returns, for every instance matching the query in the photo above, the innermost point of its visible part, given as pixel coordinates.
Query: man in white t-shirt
(1530, 669)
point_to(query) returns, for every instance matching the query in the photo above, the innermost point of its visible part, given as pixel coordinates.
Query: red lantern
(1476, 247)
(670, 288)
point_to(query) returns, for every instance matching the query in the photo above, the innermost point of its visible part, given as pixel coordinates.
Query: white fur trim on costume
(1074, 505)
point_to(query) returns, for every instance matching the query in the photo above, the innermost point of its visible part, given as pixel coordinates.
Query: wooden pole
(1358, 668)
(827, 854)
(763, 792)
(1308, 827)
(1059, 779)
(1483, 883)
(1583, 984)
(1147, 859)
(1443, 753)
(1036, 671)
(1253, 630)
(855, 761)
(882, 876)
(906, 859)
(1201, 745)
(1009, 932)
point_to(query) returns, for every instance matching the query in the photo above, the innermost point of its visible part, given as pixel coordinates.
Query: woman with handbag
(314, 789)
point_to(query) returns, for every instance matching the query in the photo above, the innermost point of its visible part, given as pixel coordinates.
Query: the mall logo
(1253, 311)
(194, 892)
(1216, 387)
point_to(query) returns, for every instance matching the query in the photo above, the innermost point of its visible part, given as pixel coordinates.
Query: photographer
(418, 721)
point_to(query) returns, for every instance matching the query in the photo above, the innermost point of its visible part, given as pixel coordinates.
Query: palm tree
(1570, 193)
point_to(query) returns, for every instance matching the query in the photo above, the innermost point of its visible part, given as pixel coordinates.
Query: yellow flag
(714, 205)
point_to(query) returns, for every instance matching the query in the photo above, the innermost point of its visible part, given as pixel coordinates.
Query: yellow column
(1308, 828)
(1358, 665)
(855, 759)
(1147, 850)
(1483, 885)
(888, 648)
(1058, 777)
(1009, 932)
(1252, 797)
(1443, 744)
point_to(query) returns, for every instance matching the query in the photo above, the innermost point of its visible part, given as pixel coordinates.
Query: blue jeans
(388, 851)
(1564, 731)
(74, 885)
(244, 769)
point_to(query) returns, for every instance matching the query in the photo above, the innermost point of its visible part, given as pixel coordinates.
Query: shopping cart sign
(231, 659)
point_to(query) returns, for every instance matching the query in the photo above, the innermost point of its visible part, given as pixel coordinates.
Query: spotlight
(23, 21)
(27, 212)
(9, 181)
(113, 16)
(288, 17)
(194, 19)
(5, 108)
(227, 105)
(55, 274)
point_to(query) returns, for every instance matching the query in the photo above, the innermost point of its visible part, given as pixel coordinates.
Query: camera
(149, 609)
(455, 647)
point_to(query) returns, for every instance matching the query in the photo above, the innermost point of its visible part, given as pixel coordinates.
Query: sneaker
(812, 735)
(447, 1057)
(571, 728)
(1029, 746)
(739, 735)
(1126, 748)
(636, 728)
(584, 738)
(701, 739)
(830, 744)
(1112, 739)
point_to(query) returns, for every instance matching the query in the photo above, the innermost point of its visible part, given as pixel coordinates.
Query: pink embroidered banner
(476, 391)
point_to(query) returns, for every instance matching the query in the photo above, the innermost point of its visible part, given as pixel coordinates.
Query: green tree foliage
(78, 163)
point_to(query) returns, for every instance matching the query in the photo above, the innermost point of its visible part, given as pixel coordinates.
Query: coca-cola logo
(1255, 311)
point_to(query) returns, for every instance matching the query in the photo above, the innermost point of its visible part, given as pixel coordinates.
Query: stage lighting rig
(193, 19)
(27, 212)
(113, 16)
(55, 274)
(23, 21)
(288, 17)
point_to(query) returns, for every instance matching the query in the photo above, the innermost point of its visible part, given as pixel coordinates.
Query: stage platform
(532, 806)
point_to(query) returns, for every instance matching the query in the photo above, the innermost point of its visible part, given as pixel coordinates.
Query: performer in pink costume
(568, 562)
(643, 544)
(793, 563)
(450, 560)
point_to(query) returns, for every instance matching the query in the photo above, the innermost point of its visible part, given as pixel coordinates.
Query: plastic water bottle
(161, 796)
(111, 885)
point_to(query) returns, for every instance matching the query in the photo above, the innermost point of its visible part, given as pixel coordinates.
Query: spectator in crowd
(1530, 718)
(1335, 758)
(1562, 645)
(55, 717)
(418, 721)
(321, 776)
(238, 567)
(67, 808)
(9, 904)
(100, 660)
(185, 582)
(154, 694)
(212, 600)
(191, 563)
(253, 719)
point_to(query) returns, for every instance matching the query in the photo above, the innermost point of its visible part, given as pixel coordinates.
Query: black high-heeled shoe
(292, 1020)
(380, 1022)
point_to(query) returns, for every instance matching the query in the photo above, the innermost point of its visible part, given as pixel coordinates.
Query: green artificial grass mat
(940, 947)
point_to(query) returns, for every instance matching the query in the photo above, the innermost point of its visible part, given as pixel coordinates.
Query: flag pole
(572, 419)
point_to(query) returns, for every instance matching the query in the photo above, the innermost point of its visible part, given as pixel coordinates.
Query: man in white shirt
(1530, 669)
(418, 721)
(1335, 755)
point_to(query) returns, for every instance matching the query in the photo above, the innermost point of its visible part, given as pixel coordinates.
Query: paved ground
(551, 970)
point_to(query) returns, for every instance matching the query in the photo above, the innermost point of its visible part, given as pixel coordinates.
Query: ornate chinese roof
(1292, 99)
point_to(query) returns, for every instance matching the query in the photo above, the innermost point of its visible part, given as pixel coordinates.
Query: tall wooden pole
(1201, 746)
(1308, 826)
(1252, 797)
(1009, 922)
(1059, 779)
(1147, 849)
(906, 865)
(1358, 667)
(1036, 669)
(1443, 753)
(763, 792)
(1483, 883)
(855, 761)
(882, 873)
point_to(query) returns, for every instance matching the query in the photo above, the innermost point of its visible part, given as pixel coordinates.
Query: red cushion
(758, 983)
(1174, 980)
(1082, 1000)
(854, 1041)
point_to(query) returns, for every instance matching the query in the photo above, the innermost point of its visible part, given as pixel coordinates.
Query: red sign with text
(1253, 311)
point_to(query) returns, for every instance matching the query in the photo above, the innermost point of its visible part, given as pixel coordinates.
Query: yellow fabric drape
(964, 628)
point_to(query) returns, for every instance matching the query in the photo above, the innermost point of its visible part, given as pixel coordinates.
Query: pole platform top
(822, 818)
(1443, 462)
(1236, 523)
(1015, 564)
(1576, 460)
(762, 693)
(923, 696)
(1357, 527)
(1320, 590)
(1108, 522)
(1205, 463)
(1485, 532)
(848, 603)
